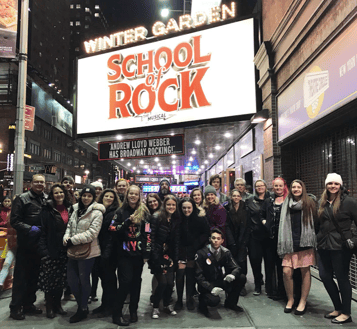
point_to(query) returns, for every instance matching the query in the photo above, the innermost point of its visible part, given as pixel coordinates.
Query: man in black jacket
(26, 221)
(211, 279)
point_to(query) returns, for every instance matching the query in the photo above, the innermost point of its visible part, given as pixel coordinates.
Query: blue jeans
(78, 277)
(10, 257)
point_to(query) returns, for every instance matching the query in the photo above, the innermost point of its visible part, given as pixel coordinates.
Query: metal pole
(19, 166)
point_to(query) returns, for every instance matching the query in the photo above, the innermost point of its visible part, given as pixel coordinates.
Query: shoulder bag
(80, 251)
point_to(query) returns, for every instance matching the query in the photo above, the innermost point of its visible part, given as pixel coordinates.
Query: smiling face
(58, 195)
(216, 183)
(197, 197)
(278, 187)
(170, 206)
(236, 197)
(108, 199)
(87, 199)
(38, 184)
(121, 187)
(153, 203)
(210, 198)
(296, 190)
(333, 187)
(133, 195)
(240, 186)
(260, 187)
(187, 209)
(216, 240)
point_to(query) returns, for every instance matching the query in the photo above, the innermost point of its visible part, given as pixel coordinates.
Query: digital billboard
(198, 76)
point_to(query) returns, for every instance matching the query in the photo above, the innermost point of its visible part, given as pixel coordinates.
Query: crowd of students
(63, 240)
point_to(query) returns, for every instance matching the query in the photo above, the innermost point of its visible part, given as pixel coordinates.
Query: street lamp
(87, 173)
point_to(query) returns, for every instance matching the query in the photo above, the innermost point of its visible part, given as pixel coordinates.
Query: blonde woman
(131, 242)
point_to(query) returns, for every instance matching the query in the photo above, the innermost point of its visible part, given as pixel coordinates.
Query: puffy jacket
(237, 231)
(25, 213)
(327, 236)
(194, 234)
(131, 239)
(52, 231)
(163, 232)
(209, 270)
(85, 229)
(254, 207)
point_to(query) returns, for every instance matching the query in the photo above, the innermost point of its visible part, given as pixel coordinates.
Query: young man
(240, 185)
(212, 280)
(216, 182)
(68, 183)
(26, 221)
(164, 188)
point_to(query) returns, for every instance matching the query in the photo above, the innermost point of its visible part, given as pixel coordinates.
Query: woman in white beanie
(334, 243)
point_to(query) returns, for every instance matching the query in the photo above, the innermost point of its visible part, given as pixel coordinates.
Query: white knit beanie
(333, 177)
(97, 184)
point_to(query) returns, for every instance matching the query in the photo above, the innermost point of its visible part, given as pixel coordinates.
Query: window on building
(47, 134)
(76, 163)
(47, 153)
(71, 6)
(87, 10)
(82, 165)
(86, 26)
(69, 160)
(97, 7)
(63, 157)
(96, 15)
(78, 6)
(57, 156)
(76, 49)
(78, 23)
(70, 23)
(34, 148)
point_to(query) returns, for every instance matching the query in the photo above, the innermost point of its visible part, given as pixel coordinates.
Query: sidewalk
(260, 312)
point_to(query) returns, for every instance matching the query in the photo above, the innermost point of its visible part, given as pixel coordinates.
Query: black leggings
(164, 288)
(257, 250)
(338, 262)
(189, 272)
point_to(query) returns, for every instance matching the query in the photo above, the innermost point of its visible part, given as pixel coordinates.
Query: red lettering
(161, 95)
(126, 65)
(133, 245)
(137, 97)
(114, 65)
(183, 49)
(121, 104)
(191, 89)
(199, 60)
(165, 53)
(148, 63)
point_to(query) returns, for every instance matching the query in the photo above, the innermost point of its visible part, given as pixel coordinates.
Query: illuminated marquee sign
(186, 22)
(194, 77)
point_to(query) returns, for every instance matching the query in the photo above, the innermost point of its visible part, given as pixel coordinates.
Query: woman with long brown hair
(296, 242)
(335, 240)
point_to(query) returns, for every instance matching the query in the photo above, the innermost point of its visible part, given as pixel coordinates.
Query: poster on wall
(327, 84)
(8, 28)
(198, 76)
(246, 144)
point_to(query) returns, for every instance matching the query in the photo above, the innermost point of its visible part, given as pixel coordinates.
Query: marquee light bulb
(193, 151)
(197, 142)
(210, 155)
(217, 147)
(206, 161)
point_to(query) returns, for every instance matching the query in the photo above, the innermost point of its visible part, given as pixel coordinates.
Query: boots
(49, 306)
(190, 288)
(57, 307)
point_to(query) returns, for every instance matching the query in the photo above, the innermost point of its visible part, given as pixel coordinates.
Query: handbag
(80, 251)
(338, 228)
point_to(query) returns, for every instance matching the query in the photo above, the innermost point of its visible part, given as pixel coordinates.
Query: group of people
(200, 242)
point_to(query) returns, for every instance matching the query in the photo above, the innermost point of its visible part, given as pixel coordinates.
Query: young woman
(83, 227)
(165, 230)
(194, 234)
(54, 220)
(296, 242)
(197, 196)
(237, 232)
(215, 213)
(270, 214)
(121, 186)
(132, 244)
(258, 236)
(11, 240)
(153, 203)
(107, 262)
(336, 213)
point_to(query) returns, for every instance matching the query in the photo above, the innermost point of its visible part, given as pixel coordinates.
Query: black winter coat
(237, 231)
(105, 235)
(209, 270)
(25, 213)
(52, 231)
(267, 213)
(327, 236)
(254, 207)
(163, 233)
(194, 234)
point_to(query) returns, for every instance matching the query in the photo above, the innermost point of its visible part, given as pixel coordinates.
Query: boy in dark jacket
(212, 280)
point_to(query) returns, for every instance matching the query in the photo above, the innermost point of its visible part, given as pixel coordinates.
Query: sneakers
(170, 309)
(257, 290)
(155, 313)
(69, 297)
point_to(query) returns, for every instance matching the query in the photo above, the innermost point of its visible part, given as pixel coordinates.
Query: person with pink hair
(270, 217)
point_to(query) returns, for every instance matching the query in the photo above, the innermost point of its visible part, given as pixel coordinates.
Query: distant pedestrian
(216, 182)
(68, 183)
(337, 211)
(240, 185)
(165, 188)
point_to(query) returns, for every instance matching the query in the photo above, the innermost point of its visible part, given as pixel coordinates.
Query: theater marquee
(193, 77)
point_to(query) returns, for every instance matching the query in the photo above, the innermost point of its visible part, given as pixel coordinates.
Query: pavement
(259, 312)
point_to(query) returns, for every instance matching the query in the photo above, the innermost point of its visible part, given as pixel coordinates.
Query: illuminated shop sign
(142, 148)
(198, 76)
(173, 188)
(185, 22)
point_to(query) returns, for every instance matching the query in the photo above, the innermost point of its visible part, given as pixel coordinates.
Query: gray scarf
(285, 236)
